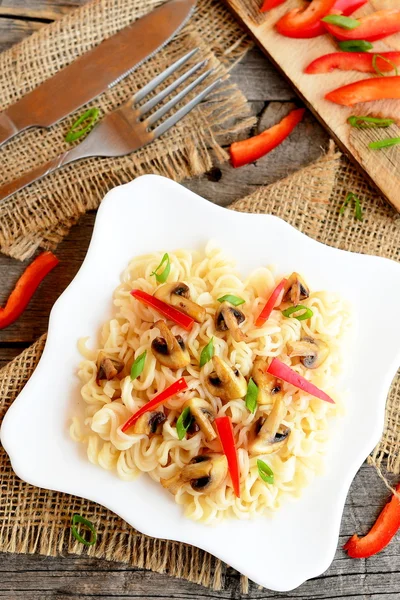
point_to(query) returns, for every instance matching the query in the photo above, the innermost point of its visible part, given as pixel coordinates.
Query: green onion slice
(384, 143)
(207, 353)
(183, 423)
(366, 122)
(235, 300)
(341, 21)
(138, 365)
(355, 46)
(251, 396)
(376, 68)
(89, 117)
(290, 312)
(357, 211)
(78, 519)
(265, 471)
(163, 276)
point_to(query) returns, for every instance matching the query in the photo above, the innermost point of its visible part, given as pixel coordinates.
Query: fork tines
(163, 110)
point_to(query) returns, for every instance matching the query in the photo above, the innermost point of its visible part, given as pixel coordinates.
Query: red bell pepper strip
(274, 300)
(26, 287)
(386, 526)
(247, 151)
(347, 7)
(165, 309)
(270, 4)
(376, 88)
(297, 23)
(178, 386)
(278, 369)
(225, 432)
(353, 61)
(343, 7)
(372, 27)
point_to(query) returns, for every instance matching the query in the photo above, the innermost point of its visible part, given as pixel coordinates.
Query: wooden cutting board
(291, 56)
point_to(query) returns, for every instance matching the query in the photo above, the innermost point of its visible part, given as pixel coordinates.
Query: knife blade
(96, 70)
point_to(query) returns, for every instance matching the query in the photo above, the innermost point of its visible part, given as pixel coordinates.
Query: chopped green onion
(235, 300)
(357, 211)
(375, 58)
(341, 21)
(183, 423)
(355, 46)
(307, 314)
(163, 276)
(138, 365)
(366, 122)
(82, 521)
(384, 143)
(74, 133)
(251, 396)
(265, 471)
(207, 353)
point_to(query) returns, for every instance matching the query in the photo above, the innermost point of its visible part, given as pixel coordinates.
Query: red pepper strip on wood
(26, 287)
(297, 22)
(165, 309)
(225, 432)
(270, 4)
(274, 300)
(178, 386)
(354, 61)
(247, 151)
(372, 27)
(386, 526)
(278, 369)
(342, 7)
(366, 90)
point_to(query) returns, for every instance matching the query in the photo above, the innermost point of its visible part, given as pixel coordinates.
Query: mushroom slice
(150, 422)
(206, 472)
(296, 289)
(312, 352)
(178, 294)
(173, 484)
(204, 415)
(168, 349)
(230, 317)
(268, 435)
(225, 382)
(268, 386)
(107, 367)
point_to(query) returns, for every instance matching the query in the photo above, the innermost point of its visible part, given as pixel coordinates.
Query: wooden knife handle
(7, 128)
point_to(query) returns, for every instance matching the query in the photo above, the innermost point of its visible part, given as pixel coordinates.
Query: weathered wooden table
(41, 578)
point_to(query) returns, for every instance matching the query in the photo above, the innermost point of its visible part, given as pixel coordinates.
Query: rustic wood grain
(72, 578)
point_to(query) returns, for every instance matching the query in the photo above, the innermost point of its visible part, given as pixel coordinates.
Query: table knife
(95, 71)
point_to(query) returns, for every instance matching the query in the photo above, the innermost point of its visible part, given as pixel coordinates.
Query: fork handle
(26, 179)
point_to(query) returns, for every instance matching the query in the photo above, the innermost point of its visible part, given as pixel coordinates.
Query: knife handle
(11, 187)
(7, 128)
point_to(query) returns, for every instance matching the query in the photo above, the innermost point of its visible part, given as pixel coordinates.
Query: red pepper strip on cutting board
(247, 151)
(225, 432)
(354, 61)
(274, 300)
(178, 386)
(376, 88)
(296, 23)
(386, 526)
(372, 27)
(270, 4)
(278, 369)
(26, 287)
(342, 7)
(165, 309)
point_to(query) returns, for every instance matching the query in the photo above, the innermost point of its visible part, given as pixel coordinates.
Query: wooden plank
(44, 10)
(291, 56)
(13, 31)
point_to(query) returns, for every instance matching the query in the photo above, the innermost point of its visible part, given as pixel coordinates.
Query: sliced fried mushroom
(268, 386)
(203, 414)
(230, 317)
(178, 294)
(225, 382)
(107, 367)
(312, 352)
(206, 472)
(150, 422)
(295, 289)
(169, 350)
(269, 435)
(173, 484)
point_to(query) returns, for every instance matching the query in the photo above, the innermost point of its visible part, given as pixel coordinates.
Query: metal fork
(125, 130)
